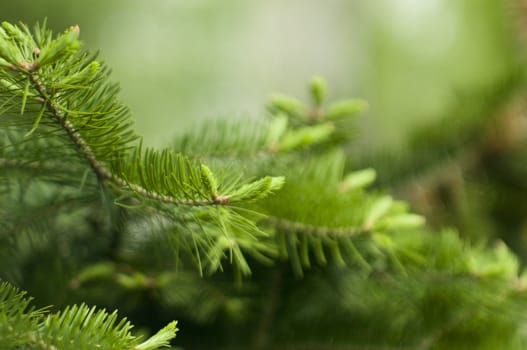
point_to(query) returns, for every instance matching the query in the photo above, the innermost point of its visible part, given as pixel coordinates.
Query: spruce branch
(68, 84)
(314, 230)
(252, 140)
(102, 172)
(312, 213)
(76, 327)
(292, 127)
(19, 164)
(316, 112)
(56, 101)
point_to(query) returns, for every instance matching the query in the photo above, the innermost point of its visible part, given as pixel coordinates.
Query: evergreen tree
(252, 234)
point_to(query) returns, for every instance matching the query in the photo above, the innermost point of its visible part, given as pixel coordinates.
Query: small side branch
(19, 164)
(100, 170)
(313, 230)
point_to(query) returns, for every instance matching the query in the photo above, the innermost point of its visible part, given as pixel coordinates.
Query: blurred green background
(419, 63)
(182, 60)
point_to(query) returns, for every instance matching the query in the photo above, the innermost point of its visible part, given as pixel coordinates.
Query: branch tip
(222, 200)
(29, 67)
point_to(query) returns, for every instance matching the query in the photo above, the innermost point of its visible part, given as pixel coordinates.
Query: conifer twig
(20, 164)
(308, 229)
(100, 170)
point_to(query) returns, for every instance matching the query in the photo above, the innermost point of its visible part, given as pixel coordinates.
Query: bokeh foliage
(445, 131)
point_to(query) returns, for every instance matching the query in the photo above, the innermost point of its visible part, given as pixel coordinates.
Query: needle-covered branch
(51, 89)
(93, 215)
(76, 327)
(73, 91)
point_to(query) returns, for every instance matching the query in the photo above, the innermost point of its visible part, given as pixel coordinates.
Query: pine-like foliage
(56, 101)
(256, 234)
(77, 327)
